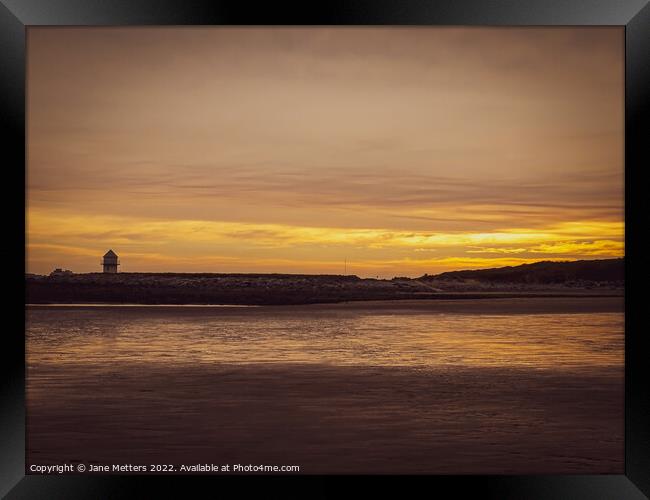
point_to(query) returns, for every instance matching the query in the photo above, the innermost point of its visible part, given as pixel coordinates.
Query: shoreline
(283, 290)
(529, 304)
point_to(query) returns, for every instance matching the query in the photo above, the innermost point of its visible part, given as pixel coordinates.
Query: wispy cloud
(295, 148)
(251, 245)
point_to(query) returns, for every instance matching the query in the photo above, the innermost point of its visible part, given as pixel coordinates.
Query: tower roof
(110, 253)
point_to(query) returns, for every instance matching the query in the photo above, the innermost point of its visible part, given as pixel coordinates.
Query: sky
(369, 151)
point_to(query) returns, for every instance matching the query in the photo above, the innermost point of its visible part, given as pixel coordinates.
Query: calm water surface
(116, 335)
(334, 390)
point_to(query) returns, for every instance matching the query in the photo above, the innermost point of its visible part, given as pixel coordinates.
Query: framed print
(272, 250)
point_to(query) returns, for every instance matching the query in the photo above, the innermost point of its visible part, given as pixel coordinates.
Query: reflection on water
(115, 335)
(369, 389)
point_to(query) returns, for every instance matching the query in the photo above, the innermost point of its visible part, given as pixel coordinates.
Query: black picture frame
(17, 15)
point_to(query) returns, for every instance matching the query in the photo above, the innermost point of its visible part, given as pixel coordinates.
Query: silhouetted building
(110, 262)
(61, 272)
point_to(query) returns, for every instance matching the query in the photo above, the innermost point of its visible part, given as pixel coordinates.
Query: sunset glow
(374, 151)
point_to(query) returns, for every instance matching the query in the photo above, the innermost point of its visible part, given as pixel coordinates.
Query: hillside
(586, 272)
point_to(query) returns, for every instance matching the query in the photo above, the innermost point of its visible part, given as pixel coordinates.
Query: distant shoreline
(545, 279)
(313, 301)
(486, 305)
(118, 304)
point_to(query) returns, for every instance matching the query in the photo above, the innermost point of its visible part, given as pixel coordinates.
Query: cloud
(497, 250)
(297, 147)
(64, 235)
(586, 248)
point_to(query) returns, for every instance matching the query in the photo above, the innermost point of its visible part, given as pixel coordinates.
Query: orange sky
(402, 150)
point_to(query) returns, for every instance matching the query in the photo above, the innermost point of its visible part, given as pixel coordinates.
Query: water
(423, 384)
(114, 335)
